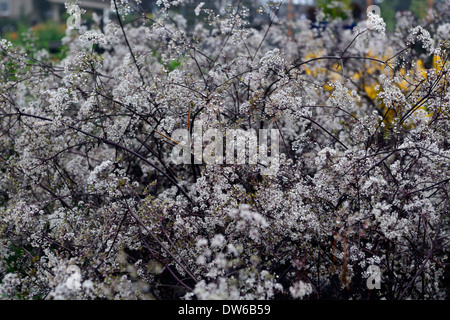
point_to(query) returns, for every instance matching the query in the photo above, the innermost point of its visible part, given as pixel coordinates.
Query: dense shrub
(93, 206)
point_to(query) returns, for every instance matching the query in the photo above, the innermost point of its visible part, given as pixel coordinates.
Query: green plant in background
(334, 8)
(46, 35)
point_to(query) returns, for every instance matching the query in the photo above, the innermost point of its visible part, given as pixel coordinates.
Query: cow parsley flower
(74, 8)
(167, 3)
(74, 279)
(272, 61)
(9, 285)
(97, 170)
(300, 289)
(218, 241)
(376, 23)
(93, 37)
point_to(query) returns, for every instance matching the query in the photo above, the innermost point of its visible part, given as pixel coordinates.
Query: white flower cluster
(198, 9)
(420, 35)
(300, 289)
(73, 8)
(93, 176)
(169, 3)
(67, 282)
(273, 61)
(443, 31)
(376, 23)
(9, 286)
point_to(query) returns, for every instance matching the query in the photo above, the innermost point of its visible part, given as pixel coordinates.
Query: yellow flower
(437, 62)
